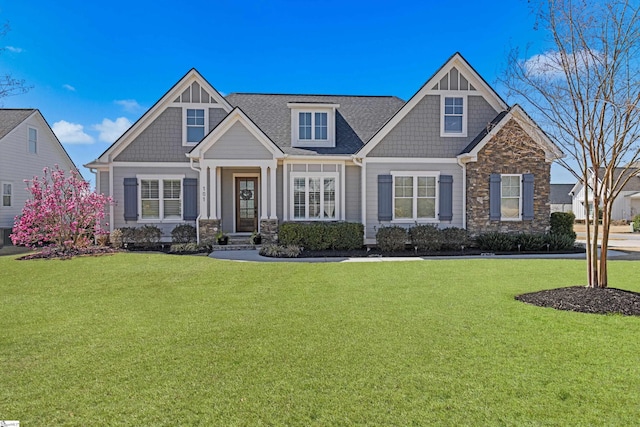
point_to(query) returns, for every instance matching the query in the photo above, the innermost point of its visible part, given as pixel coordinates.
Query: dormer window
(313, 125)
(453, 120)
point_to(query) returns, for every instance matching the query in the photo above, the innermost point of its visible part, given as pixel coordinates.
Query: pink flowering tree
(62, 213)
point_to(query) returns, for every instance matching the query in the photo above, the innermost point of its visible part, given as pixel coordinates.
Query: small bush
(189, 248)
(636, 223)
(115, 238)
(280, 251)
(147, 236)
(425, 237)
(391, 239)
(319, 236)
(562, 223)
(560, 242)
(496, 242)
(454, 238)
(531, 241)
(183, 233)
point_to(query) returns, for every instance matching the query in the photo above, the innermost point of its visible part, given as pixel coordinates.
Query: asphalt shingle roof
(559, 194)
(484, 132)
(10, 118)
(357, 119)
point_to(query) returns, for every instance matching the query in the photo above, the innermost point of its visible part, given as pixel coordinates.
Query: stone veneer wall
(510, 151)
(269, 230)
(208, 229)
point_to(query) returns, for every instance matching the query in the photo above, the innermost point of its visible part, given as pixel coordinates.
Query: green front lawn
(151, 339)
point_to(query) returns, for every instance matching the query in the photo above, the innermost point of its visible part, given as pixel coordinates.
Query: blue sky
(96, 67)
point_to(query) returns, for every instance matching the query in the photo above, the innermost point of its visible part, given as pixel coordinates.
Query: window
(167, 207)
(414, 197)
(453, 116)
(510, 201)
(33, 140)
(312, 126)
(7, 193)
(195, 125)
(314, 197)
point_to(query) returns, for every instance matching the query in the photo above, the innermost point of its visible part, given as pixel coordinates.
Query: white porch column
(213, 192)
(272, 194)
(202, 193)
(218, 173)
(263, 192)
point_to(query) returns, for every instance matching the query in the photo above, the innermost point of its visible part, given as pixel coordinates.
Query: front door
(246, 205)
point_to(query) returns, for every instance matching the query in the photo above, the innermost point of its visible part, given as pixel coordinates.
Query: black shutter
(446, 198)
(494, 197)
(385, 194)
(527, 196)
(190, 199)
(130, 199)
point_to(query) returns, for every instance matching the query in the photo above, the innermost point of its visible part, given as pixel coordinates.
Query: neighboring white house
(27, 146)
(560, 198)
(626, 205)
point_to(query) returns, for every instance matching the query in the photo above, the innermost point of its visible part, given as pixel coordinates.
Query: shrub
(636, 223)
(560, 242)
(115, 238)
(454, 238)
(562, 223)
(531, 241)
(147, 236)
(280, 251)
(391, 239)
(425, 237)
(183, 233)
(496, 242)
(189, 248)
(129, 235)
(318, 236)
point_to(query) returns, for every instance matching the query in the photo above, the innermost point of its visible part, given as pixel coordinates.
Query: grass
(151, 339)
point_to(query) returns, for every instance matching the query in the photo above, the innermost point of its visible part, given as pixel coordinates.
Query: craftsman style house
(27, 146)
(454, 155)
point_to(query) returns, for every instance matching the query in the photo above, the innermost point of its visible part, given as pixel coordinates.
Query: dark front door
(246, 204)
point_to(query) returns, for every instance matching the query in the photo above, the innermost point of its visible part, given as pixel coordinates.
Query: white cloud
(69, 87)
(550, 64)
(111, 130)
(129, 105)
(14, 49)
(71, 133)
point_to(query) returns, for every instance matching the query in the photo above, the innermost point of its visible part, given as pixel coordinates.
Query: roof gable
(191, 88)
(11, 118)
(455, 75)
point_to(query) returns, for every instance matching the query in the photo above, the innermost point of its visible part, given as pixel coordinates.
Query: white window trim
(2, 184)
(307, 175)
(329, 109)
(29, 128)
(465, 114)
(415, 175)
(519, 218)
(193, 106)
(160, 179)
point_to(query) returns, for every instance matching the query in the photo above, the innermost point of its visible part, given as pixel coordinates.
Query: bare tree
(9, 85)
(585, 90)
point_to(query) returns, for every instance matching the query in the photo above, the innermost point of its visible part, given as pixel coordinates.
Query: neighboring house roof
(357, 119)
(10, 118)
(559, 194)
(632, 185)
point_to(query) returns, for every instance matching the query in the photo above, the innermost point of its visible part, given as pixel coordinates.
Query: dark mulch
(586, 300)
(358, 253)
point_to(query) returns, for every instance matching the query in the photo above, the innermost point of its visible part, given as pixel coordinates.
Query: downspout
(191, 165)
(363, 191)
(463, 165)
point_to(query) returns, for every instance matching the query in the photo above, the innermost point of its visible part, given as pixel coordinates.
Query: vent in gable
(453, 80)
(195, 94)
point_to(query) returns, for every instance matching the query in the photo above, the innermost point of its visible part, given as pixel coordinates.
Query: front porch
(238, 197)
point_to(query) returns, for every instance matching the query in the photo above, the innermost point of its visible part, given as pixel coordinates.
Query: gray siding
(353, 208)
(418, 134)
(375, 169)
(238, 143)
(104, 182)
(119, 173)
(161, 141)
(17, 164)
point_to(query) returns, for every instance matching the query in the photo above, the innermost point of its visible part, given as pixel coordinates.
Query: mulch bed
(586, 300)
(360, 253)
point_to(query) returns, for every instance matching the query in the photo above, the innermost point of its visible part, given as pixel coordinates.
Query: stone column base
(208, 230)
(269, 230)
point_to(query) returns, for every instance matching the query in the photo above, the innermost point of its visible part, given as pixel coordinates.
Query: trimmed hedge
(528, 242)
(562, 223)
(183, 233)
(636, 223)
(391, 239)
(320, 236)
(425, 237)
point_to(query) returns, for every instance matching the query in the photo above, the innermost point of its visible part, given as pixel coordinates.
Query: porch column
(213, 193)
(203, 193)
(263, 192)
(272, 194)
(218, 173)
